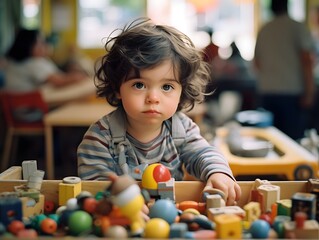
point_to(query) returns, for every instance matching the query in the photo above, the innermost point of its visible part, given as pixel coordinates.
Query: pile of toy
(127, 209)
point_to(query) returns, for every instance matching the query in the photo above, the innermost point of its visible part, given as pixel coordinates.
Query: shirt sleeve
(200, 158)
(95, 153)
(305, 38)
(41, 69)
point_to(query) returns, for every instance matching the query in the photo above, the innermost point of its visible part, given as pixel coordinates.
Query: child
(150, 73)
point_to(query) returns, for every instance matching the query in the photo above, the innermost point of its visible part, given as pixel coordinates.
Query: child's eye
(167, 87)
(138, 85)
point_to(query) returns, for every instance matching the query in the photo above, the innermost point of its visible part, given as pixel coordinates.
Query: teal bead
(99, 195)
(278, 225)
(36, 221)
(55, 217)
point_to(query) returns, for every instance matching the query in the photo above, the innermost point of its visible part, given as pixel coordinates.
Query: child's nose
(152, 97)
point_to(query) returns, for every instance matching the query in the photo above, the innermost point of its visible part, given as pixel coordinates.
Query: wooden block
(69, 189)
(12, 173)
(252, 211)
(30, 207)
(309, 231)
(228, 226)
(10, 209)
(166, 190)
(313, 187)
(178, 230)
(257, 196)
(28, 168)
(232, 210)
(284, 207)
(274, 211)
(271, 194)
(304, 202)
(214, 201)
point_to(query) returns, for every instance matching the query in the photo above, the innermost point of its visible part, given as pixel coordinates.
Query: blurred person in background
(28, 64)
(284, 63)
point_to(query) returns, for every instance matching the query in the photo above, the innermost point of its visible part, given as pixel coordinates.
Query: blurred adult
(284, 63)
(29, 65)
(210, 52)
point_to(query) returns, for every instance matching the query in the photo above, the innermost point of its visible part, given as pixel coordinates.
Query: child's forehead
(138, 72)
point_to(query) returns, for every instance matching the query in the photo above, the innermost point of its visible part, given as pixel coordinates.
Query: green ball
(80, 223)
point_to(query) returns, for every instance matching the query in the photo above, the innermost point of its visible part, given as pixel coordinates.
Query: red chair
(23, 114)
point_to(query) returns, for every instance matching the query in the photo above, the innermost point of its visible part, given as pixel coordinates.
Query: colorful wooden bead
(80, 222)
(48, 226)
(164, 209)
(156, 228)
(15, 226)
(259, 229)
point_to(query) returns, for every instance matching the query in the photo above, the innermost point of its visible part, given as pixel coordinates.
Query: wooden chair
(23, 114)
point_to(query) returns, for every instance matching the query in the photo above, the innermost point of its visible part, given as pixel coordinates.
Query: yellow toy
(285, 158)
(70, 187)
(157, 180)
(228, 226)
(126, 195)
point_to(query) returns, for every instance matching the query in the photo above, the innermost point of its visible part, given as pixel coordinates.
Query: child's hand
(224, 183)
(145, 212)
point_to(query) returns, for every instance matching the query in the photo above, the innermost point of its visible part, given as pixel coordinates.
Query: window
(31, 13)
(98, 18)
(231, 20)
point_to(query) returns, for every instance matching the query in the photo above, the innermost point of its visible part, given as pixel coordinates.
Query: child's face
(153, 97)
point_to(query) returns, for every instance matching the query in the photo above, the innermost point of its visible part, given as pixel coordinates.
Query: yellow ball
(156, 228)
(192, 210)
(148, 180)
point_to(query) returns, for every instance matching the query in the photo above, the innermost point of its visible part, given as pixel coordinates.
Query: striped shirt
(99, 154)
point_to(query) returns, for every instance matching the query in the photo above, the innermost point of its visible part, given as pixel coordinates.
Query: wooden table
(70, 115)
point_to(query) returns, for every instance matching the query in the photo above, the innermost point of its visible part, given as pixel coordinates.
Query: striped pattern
(97, 154)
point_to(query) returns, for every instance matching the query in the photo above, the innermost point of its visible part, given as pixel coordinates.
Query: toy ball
(80, 222)
(164, 209)
(27, 234)
(15, 226)
(36, 221)
(154, 174)
(48, 226)
(259, 229)
(116, 232)
(156, 228)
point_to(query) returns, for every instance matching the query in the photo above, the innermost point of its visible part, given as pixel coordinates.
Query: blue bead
(164, 209)
(259, 229)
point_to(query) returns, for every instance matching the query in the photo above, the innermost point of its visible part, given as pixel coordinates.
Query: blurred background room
(74, 33)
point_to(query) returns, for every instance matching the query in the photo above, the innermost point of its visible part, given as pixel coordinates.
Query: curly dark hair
(142, 45)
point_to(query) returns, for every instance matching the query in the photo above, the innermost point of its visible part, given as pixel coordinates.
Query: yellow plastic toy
(286, 158)
(126, 195)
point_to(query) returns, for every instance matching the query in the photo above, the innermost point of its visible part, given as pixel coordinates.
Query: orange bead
(90, 204)
(15, 226)
(27, 234)
(103, 223)
(48, 226)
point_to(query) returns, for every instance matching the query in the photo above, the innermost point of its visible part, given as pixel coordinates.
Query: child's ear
(118, 95)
